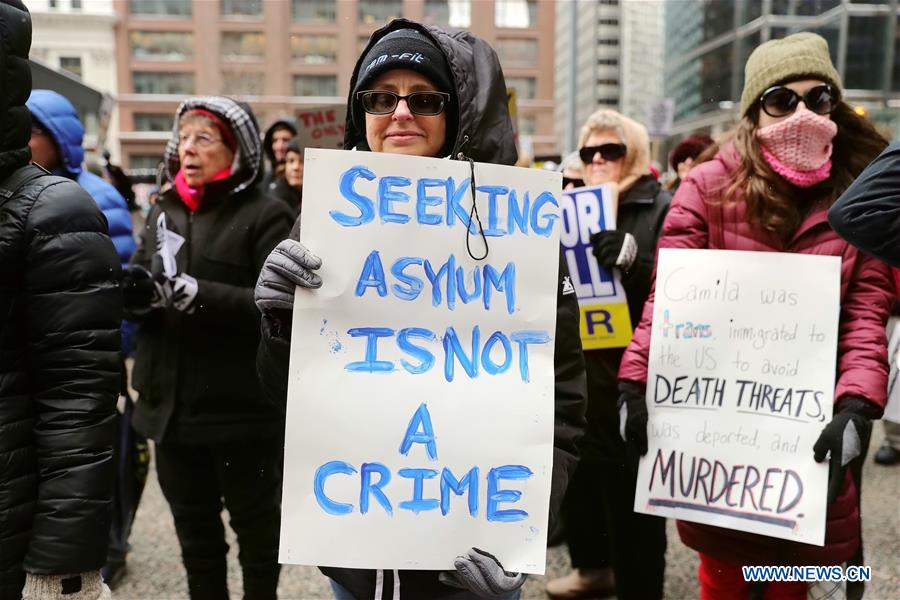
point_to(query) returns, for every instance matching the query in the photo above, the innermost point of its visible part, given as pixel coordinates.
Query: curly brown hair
(772, 202)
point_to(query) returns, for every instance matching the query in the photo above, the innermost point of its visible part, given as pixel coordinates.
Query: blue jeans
(342, 593)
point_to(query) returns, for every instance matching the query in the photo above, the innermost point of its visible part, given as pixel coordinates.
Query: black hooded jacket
(60, 308)
(268, 178)
(484, 134)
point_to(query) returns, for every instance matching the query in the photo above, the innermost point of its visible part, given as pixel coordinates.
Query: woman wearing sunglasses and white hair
(603, 534)
(797, 147)
(421, 91)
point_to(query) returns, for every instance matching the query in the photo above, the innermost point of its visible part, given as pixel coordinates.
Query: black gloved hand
(614, 248)
(138, 288)
(633, 413)
(843, 438)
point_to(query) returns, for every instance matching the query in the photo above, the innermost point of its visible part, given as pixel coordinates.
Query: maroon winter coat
(862, 366)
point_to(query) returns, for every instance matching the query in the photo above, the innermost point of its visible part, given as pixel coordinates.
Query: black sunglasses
(780, 101)
(575, 181)
(429, 104)
(607, 151)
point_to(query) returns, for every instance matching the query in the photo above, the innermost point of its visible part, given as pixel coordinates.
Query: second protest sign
(421, 387)
(739, 386)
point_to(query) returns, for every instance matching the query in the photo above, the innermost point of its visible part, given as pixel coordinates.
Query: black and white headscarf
(248, 157)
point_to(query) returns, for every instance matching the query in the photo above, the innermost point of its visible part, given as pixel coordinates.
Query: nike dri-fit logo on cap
(416, 57)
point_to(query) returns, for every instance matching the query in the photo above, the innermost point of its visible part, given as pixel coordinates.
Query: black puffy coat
(485, 134)
(868, 213)
(195, 373)
(60, 308)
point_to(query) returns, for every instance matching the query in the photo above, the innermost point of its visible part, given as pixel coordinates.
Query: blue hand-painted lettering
(495, 495)
(365, 205)
(418, 504)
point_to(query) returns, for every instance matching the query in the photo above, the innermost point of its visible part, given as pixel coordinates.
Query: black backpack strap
(15, 182)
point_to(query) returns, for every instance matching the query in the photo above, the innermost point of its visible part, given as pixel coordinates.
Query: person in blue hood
(56, 144)
(56, 137)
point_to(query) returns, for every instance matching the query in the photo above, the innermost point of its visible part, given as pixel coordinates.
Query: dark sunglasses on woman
(607, 151)
(780, 101)
(428, 104)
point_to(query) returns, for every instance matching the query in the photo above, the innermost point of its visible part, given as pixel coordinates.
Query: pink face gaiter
(799, 148)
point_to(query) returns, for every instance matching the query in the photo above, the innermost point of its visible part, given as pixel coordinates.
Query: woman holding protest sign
(421, 91)
(602, 530)
(768, 188)
(190, 283)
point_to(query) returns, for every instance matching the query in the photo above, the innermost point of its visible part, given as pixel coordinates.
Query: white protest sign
(321, 127)
(740, 385)
(421, 387)
(892, 408)
(605, 320)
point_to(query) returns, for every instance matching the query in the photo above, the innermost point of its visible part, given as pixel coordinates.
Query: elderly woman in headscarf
(218, 442)
(602, 529)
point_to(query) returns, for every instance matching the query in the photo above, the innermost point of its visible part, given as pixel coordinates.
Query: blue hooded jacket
(56, 115)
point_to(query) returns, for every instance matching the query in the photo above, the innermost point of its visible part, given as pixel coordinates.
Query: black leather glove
(633, 413)
(138, 288)
(843, 439)
(614, 248)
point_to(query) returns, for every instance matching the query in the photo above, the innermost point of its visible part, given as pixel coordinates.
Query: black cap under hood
(485, 131)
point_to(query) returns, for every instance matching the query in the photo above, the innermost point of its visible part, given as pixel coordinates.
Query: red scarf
(193, 196)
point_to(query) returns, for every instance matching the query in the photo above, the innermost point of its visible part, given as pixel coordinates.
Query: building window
(153, 121)
(448, 13)
(608, 22)
(315, 85)
(609, 62)
(517, 52)
(76, 4)
(313, 11)
(72, 64)
(148, 162)
(241, 8)
(243, 45)
(242, 83)
(866, 44)
(515, 13)
(162, 45)
(151, 82)
(161, 8)
(607, 82)
(524, 86)
(314, 49)
(607, 101)
(379, 11)
(609, 42)
(527, 125)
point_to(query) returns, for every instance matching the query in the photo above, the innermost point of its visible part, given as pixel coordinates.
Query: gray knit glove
(86, 586)
(290, 264)
(482, 574)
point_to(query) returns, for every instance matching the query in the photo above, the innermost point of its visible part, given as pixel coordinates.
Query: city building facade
(282, 55)
(77, 37)
(708, 42)
(608, 55)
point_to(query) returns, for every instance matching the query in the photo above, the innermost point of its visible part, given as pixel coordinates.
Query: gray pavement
(155, 571)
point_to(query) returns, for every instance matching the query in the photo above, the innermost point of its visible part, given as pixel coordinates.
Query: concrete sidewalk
(155, 571)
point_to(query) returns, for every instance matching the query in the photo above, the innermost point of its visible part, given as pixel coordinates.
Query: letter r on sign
(597, 318)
